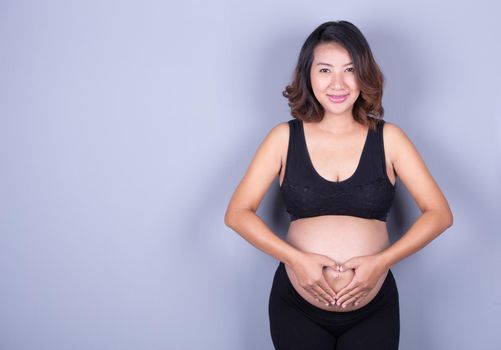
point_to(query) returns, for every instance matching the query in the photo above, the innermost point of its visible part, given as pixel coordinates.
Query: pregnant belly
(340, 238)
(337, 283)
(338, 280)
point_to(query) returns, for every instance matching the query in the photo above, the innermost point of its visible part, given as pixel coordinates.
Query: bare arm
(436, 215)
(241, 211)
(241, 217)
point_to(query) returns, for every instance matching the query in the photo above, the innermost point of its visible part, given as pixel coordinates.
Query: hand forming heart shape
(338, 280)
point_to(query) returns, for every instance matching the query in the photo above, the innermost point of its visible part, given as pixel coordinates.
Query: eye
(323, 69)
(352, 69)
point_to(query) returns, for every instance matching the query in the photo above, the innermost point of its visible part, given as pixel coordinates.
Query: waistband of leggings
(332, 315)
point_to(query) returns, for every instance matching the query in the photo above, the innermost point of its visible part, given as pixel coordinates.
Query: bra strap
(291, 149)
(380, 126)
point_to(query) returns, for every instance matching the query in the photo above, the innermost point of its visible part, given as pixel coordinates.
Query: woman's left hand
(368, 269)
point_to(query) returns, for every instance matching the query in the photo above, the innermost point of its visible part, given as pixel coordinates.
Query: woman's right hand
(308, 269)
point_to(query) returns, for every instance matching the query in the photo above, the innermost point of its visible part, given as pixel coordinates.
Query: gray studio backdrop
(126, 125)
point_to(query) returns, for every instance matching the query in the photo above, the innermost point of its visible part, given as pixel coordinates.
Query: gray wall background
(126, 125)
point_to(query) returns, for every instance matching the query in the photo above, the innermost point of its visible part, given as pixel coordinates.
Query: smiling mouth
(337, 98)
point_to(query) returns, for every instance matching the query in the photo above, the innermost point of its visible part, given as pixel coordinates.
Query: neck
(339, 123)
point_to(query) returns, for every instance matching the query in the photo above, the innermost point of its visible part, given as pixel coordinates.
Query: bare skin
(337, 258)
(339, 237)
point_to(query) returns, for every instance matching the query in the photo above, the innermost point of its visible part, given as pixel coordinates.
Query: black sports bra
(368, 193)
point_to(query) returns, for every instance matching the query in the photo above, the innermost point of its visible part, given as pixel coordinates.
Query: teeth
(338, 98)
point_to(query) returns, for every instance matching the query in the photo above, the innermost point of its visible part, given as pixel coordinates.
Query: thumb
(349, 264)
(330, 263)
(334, 265)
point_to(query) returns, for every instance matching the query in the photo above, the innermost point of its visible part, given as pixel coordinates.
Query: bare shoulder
(279, 133)
(395, 140)
(413, 171)
(277, 139)
(262, 170)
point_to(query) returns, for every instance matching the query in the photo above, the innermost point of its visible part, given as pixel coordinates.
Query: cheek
(319, 79)
(314, 84)
(353, 82)
(317, 87)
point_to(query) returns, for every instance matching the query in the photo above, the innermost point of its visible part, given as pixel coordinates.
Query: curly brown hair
(302, 101)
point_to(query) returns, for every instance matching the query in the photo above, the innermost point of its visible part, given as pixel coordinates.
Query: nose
(337, 82)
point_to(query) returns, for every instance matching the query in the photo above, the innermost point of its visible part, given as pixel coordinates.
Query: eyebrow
(330, 65)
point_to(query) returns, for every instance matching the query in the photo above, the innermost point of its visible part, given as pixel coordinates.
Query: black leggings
(296, 324)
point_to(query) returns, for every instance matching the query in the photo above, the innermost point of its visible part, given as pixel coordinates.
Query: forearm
(426, 228)
(253, 229)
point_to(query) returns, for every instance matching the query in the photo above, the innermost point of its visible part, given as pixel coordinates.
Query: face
(333, 78)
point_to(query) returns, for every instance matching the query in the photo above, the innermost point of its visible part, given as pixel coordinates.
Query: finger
(317, 294)
(326, 298)
(355, 291)
(353, 300)
(312, 293)
(349, 264)
(327, 289)
(353, 284)
(360, 298)
(349, 295)
(333, 264)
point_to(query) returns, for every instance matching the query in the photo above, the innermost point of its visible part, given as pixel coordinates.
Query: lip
(337, 98)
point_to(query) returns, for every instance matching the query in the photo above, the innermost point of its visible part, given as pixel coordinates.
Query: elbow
(233, 215)
(443, 217)
(448, 218)
(229, 218)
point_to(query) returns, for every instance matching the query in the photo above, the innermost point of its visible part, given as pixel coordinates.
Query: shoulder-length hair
(302, 101)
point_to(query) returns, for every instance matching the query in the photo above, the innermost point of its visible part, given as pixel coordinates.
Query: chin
(339, 108)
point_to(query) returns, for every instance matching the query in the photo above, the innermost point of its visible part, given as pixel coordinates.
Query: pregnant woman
(337, 162)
